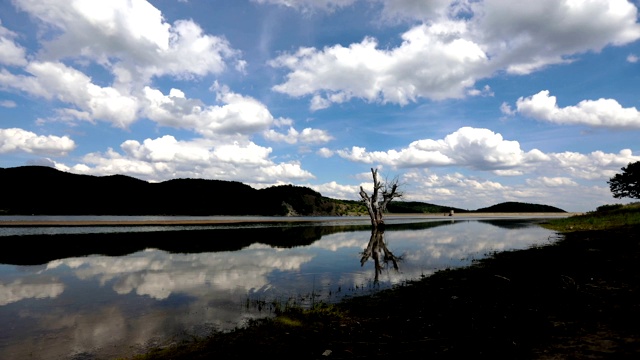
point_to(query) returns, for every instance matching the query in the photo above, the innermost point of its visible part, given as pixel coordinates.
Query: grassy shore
(605, 217)
(577, 298)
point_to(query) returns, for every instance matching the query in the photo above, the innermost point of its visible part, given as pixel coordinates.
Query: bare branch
(387, 190)
(375, 248)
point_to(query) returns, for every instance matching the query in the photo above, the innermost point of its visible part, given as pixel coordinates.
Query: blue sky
(469, 103)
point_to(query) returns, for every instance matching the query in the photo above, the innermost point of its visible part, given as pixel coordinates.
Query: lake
(98, 292)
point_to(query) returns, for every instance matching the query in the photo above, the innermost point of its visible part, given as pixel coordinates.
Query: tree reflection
(382, 256)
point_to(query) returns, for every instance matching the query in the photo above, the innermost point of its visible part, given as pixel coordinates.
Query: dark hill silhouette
(42, 190)
(512, 207)
(400, 207)
(201, 197)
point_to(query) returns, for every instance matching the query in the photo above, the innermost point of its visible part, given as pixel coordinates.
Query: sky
(466, 103)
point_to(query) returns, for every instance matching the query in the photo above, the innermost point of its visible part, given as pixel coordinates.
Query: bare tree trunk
(374, 248)
(375, 207)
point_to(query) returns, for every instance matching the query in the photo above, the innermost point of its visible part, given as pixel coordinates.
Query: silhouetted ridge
(409, 207)
(42, 190)
(512, 207)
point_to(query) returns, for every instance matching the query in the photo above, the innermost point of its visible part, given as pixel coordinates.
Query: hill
(416, 207)
(515, 207)
(41, 190)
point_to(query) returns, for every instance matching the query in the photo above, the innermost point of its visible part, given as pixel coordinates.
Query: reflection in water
(508, 223)
(375, 247)
(112, 303)
(101, 306)
(196, 240)
(19, 290)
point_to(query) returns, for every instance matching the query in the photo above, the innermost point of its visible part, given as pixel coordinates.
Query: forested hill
(417, 207)
(41, 190)
(513, 207)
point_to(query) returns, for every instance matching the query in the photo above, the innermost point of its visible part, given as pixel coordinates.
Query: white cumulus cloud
(325, 152)
(11, 53)
(129, 37)
(236, 115)
(293, 136)
(482, 149)
(432, 62)
(445, 57)
(134, 44)
(470, 147)
(596, 113)
(551, 181)
(522, 37)
(336, 191)
(15, 139)
(166, 158)
(596, 165)
(55, 80)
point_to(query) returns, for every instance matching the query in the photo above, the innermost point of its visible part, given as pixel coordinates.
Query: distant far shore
(224, 220)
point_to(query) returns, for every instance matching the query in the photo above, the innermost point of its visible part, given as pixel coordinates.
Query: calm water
(96, 306)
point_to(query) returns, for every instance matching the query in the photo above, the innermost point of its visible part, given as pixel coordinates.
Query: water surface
(164, 285)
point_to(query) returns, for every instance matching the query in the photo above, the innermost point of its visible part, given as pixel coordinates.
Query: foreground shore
(577, 298)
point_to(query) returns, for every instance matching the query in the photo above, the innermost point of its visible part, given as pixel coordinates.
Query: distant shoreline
(197, 222)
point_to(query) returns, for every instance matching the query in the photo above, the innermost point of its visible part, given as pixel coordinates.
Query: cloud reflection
(19, 290)
(115, 304)
(340, 241)
(158, 274)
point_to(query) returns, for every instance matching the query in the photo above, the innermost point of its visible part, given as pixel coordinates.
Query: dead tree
(382, 194)
(375, 248)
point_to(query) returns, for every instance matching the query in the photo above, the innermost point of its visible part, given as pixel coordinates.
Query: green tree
(627, 183)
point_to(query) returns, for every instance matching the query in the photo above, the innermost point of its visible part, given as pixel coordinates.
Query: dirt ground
(574, 299)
